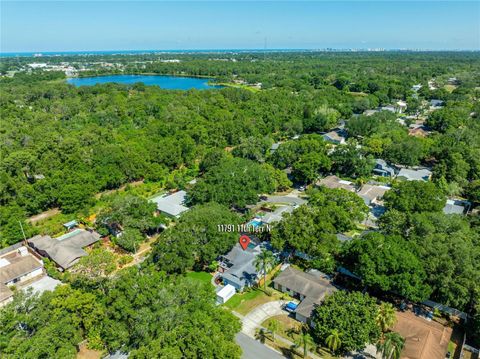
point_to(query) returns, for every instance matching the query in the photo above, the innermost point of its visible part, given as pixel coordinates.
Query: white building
(224, 294)
(172, 205)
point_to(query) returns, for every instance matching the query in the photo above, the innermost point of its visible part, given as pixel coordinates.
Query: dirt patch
(85, 353)
(44, 215)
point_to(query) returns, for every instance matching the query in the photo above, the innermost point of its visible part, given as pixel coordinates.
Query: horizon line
(206, 50)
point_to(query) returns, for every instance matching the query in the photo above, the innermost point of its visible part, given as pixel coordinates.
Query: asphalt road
(253, 349)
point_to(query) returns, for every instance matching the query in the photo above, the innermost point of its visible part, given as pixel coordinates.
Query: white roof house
(454, 206)
(171, 205)
(421, 174)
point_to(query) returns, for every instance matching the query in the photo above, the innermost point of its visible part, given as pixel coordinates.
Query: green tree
(333, 341)
(273, 327)
(130, 239)
(309, 166)
(195, 241)
(308, 230)
(304, 340)
(386, 316)
(385, 263)
(391, 346)
(261, 335)
(415, 196)
(234, 182)
(263, 262)
(351, 313)
(350, 162)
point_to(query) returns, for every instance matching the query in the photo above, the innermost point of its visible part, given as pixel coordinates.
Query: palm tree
(304, 340)
(386, 317)
(273, 327)
(333, 341)
(262, 262)
(391, 347)
(261, 335)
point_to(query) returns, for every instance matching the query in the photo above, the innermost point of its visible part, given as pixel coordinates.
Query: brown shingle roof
(423, 339)
(335, 182)
(5, 292)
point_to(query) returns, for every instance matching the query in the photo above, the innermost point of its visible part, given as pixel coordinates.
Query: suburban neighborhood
(240, 180)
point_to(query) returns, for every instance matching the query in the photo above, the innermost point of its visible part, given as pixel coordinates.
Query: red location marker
(244, 241)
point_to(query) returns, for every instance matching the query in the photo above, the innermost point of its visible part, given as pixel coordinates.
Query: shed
(224, 294)
(70, 225)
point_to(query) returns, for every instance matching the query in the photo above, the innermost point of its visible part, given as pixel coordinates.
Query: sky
(41, 26)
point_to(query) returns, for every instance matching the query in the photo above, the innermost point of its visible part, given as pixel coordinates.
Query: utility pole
(23, 232)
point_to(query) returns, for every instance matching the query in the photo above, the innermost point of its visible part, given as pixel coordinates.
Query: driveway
(257, 316)
(253, 349)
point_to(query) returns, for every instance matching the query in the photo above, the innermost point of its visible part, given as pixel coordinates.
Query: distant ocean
(137, 52)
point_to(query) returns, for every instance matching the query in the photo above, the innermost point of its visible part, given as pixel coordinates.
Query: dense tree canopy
(234, 182)
(386, 263)
(352, 314)
(415, 196)
(195, 240)
(141, 312)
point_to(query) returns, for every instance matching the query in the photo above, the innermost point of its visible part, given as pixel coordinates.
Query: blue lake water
(165, 82)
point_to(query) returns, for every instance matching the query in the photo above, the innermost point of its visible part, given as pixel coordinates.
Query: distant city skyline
(41, 26)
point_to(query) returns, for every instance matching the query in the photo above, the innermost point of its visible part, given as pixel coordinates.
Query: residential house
(172, 205)
(456, 206)
(383, 169)
(372, 194)
(310, 288)
(335, 182)
(419, 131)
(335, 137)
(65, 250)
(277, 214)
(415, 174)
(423, 339)
(18, 266)
(416, 88)
(435, 104)
(238, 268)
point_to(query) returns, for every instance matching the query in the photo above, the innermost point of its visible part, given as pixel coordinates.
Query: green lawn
(243, 303)
(200, 276)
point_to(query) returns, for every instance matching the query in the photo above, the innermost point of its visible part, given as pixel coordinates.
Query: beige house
(18, 266)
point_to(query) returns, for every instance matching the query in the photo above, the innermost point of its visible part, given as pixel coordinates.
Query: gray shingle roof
(241, 268)
(312, 287)
(67, 249)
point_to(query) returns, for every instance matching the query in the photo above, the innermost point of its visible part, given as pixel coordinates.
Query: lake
(165, 82)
